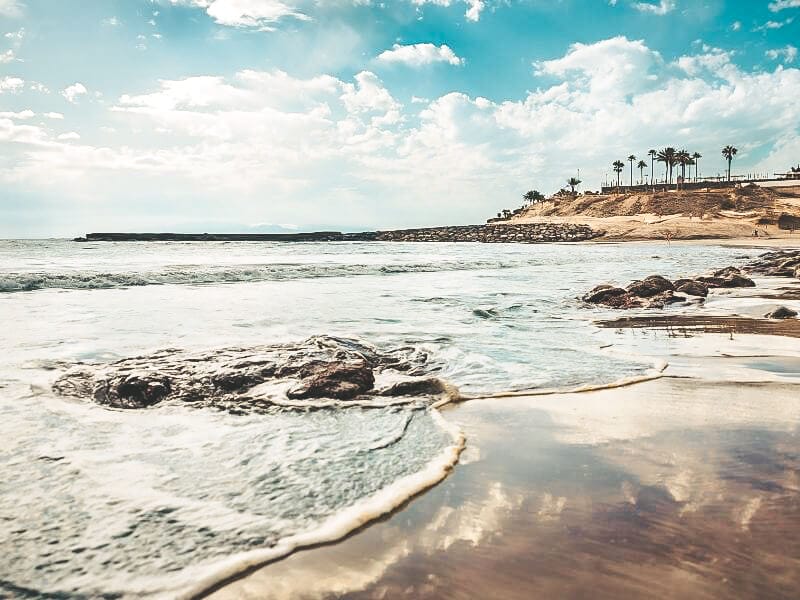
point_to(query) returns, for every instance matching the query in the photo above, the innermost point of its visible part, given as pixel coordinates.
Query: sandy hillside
(732, 213)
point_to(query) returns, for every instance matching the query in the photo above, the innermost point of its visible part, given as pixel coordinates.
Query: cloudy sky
(246, 115)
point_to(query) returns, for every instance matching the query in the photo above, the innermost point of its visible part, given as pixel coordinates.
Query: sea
(166, 501)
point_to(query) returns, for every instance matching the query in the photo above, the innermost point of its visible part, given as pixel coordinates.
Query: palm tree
(573, 182)
(652, 154)
(631, 159)
(667, 156)
(683, 158)
(641, 165)
(618, 167)
(533, 196)
(729, 152)
(696, 157)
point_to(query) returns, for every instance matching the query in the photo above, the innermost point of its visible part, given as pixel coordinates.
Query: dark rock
(663, 299)
(132, 391)
(693, 288)
(737, 281)
(417, 387)
(650, 286)
(712, 282)
(602, 293)
(340, 381)
(727, 271)
(781, 313)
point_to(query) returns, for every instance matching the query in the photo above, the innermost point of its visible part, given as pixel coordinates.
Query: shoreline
(490, 508)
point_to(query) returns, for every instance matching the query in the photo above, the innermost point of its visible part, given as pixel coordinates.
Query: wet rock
(132, 391)
(664, 299)
(241, 380)
(781, 313)
(603, 294)
(417, 387)
(727, 271)
(650, 286)
(340, 381)
(737, 281)
(692, 288)
(712, 282)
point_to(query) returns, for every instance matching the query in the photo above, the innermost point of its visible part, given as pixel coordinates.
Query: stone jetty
(528, 233)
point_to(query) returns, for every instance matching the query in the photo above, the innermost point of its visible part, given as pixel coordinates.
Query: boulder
(737, 281)
(132, 391)
(727, 271)
(602, 294)
(663, 299)
(417, 387)
(340, 381)
(781, 313)
(692, 288)
(650, 286)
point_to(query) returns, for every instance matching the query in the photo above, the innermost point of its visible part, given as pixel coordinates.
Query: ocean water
(102, 502)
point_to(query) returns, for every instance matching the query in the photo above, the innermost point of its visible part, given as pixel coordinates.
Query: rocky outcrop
(246, 379)
(781, 313)
(782, 263)
(521, 233)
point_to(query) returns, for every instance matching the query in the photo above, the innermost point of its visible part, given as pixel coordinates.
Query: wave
(195, 275)
(343, 523)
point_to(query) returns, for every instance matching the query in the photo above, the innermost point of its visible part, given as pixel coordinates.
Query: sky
(271, 115)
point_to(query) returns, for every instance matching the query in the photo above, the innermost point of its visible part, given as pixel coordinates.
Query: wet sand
(685, 486)
(672, 488)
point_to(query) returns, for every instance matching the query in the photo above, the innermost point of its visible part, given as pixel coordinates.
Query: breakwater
(530, 233)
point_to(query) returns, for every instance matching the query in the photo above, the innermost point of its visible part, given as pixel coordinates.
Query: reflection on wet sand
(687, 325)
(673, 488)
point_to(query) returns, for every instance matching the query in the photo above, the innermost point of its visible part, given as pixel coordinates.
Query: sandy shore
(683, 486)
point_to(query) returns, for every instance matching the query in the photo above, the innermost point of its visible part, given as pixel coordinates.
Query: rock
(712, 282)
(340, 381)
(602, 293)
(693, 288)
(737, 281)
(650, 286)
(663, 299)
(417, 387)
(132, 391)
(781, 313)
(727, 271)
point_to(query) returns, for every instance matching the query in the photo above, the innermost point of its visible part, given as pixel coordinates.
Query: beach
(687, 485)
(453, 421)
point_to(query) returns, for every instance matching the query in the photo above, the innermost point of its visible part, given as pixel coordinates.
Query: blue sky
(240, 115)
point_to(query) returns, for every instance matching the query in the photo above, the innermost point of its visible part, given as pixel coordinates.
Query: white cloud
(662, 8)
(474, 7)
(779, 5)
(774, 25)
(66, 137)
(616, 66)
(7, 57)
(73, 92)
(25, 114)
(737, 25)
(53, 115)
(11, 8)
(112, 22)
(417, 55)
(12, 85)
(260, 14)
(788, 53)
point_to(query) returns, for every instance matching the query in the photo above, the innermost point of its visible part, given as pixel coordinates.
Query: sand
(733, 214)
(683, 486)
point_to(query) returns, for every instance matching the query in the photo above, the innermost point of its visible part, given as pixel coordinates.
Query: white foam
(344, 522)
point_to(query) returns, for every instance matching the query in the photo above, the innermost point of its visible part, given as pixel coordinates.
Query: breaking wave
(200, 275)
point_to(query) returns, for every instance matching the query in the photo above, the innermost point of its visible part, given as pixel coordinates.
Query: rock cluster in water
(656, 291)
(781, 263)
(243, 379)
